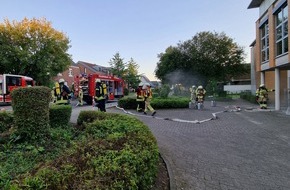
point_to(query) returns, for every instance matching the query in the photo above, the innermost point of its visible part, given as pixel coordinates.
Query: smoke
(187, 79)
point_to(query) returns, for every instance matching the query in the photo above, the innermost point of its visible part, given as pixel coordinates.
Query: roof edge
(255, 4)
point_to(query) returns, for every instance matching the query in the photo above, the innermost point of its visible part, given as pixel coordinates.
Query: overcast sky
(140, 29)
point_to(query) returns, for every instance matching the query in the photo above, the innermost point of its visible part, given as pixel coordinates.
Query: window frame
(281, 30)
(264, 32)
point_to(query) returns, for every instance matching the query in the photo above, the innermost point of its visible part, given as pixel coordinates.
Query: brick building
(81, 67)
(270, 54)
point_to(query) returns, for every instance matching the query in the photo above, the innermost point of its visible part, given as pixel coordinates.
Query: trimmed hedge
(31, 112)
(6, 121)
(116, 152)
(157, 103)
(59, 115)
(248, 96)
(90, 116)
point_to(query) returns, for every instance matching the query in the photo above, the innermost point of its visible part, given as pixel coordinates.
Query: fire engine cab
(114, 86)
(9, 82)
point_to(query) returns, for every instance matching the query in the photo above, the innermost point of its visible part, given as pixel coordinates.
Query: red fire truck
(9, 82)
(115, 86)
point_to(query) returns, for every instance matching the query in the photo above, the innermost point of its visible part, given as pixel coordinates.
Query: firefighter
(100, 96)
(262, 96)
(140, 98)
(73, 90)
(200, 94)
(104, 86)
(148, 98)
(62, 92)
(80, 97)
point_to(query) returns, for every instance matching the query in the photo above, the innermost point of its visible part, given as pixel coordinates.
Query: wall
(236, 88)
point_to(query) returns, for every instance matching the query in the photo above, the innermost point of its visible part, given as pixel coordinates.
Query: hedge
(116, 152)
(59, 115)
(31, 112)
(157, 103)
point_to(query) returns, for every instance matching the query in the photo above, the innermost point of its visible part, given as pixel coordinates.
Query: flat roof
(255, 4)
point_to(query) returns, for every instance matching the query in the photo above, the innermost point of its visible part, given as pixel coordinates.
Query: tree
(33, 48)
(131, 76)
(206, 57)
(118, 67)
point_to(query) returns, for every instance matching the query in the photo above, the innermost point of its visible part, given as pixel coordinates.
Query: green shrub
(127, 103)
(31, 112)
(117, 152)
(164, 91)
(126, 91)
(90, 116)
(59, 115)
(160, 103)
(6, 121)
(157, 103)
(247, 95)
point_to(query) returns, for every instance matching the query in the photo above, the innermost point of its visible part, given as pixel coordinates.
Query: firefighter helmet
(262, 85)
(200, 87)
(61, 81)
(98, 80)
(140, 84)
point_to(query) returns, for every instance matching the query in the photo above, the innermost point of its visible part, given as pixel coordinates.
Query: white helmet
(200, 87)
(140, 84)
(61, 81)
(262, 85)
(193, 86)
(98, 80)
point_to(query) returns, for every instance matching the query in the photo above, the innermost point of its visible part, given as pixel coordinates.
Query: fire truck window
(1, 92)
(29, 83)
(13, 81)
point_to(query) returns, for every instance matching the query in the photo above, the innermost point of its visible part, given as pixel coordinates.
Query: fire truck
(114, 86)
(9, 82)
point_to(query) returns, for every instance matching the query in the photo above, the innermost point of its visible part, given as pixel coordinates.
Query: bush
(31, 112)
(126, 91)
(6, 121)
(247, 95)
(127, 103)
(117, 152)
(90, 116)
(160, 103)
(164, 91)
(157, 103)
(59, 115)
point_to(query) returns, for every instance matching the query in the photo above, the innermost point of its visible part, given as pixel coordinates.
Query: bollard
(198, 106)
(213, 103)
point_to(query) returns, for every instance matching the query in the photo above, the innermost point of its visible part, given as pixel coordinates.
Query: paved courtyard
(247, 149)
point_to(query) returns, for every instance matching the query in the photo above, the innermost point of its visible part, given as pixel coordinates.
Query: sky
(138, 29)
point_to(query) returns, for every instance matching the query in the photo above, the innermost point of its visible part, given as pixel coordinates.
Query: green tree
(206, 57)
(131, 76)
(118, 67)
(33, 48)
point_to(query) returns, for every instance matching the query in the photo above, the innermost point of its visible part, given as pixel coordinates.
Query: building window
(70, 72)
(282, 30)
(265, 42)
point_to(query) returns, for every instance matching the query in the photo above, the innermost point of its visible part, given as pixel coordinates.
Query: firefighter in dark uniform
(140, 98)
(100, 96)
(62, 93)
